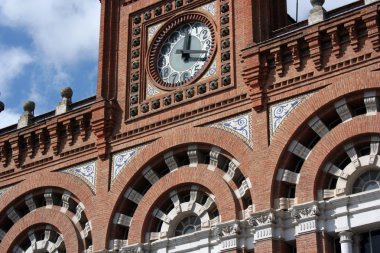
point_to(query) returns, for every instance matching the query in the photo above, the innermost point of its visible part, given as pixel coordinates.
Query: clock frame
(216, 76)
(162, 35)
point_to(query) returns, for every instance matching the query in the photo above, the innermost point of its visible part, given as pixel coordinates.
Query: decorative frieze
(86, 172)
(240, 126)
(121, 159)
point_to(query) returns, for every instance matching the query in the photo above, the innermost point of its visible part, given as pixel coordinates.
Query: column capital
(345, 236)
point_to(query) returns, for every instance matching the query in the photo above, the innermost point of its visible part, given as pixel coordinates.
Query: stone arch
(359, 82)
(44, 216)
(55, 194)
(50, 179)
(312, 171)
(202, 136)
(198, 176)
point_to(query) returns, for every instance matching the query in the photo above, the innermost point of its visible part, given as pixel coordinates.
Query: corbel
(276, 52)
(15, 146)
(353, 33)
(314, 43)
(371, 22)
(53, 132)
(294, 48)
(254, 73)
(335, 41)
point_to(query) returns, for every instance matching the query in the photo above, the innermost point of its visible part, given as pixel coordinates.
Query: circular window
(188, 225)
(369, 180)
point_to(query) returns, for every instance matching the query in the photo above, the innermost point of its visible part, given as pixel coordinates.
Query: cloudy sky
(46, 45)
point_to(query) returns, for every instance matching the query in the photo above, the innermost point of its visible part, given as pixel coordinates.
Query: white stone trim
(299, 150)
(214, 155)
(343, 110)
(318, 126)
(170, 161)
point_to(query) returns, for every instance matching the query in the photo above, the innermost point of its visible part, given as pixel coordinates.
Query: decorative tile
(151, 91)
(4, 190)
(86, 172)
(279, 112)
(240, 126)
(152, 30)
(122, 159)
(211, 7)
(211, 71)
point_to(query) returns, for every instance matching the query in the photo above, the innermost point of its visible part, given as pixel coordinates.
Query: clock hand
(189, 51)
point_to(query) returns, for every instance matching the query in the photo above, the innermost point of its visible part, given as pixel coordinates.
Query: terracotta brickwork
(250, 154)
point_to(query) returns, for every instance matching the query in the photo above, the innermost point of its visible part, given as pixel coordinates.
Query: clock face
(184, 53)
(181, 51)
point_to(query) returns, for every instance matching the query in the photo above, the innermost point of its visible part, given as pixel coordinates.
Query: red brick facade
(61, 174)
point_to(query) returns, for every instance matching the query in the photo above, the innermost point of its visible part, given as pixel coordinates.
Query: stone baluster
(318, 13)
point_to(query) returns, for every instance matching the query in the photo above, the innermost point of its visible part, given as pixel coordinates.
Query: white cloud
(12, 62)
(8, 117)
(63, 31)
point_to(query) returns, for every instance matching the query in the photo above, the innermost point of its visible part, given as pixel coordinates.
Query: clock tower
(218, 126)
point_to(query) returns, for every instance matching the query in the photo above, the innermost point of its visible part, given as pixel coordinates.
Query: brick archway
(200, 176)
(214, 137)
(50, 179)
(311, 174)
(44, 216)
(358, 82)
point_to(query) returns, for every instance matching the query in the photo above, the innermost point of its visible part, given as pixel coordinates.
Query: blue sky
(46, 45)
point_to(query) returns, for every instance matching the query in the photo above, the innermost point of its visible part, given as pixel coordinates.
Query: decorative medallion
(279, 112)
(240, 126)
(122, 159)
(181, 50)
(86, 172)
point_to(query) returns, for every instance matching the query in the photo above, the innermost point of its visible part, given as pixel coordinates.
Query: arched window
(369, 180)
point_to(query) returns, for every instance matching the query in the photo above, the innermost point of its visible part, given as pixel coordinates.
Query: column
(346, 241)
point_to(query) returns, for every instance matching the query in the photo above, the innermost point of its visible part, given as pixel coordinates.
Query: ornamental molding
(299, 213)
(240, 126)
(280, 111)
(121, 159)
(86, 172)
(230, 229)
(262, 219)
